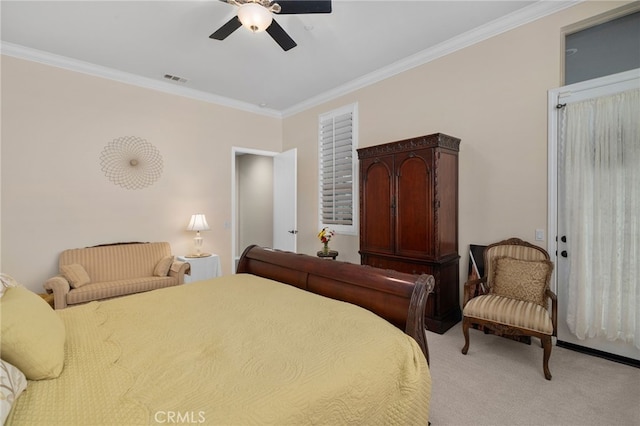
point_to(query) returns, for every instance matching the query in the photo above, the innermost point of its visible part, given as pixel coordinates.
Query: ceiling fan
(257, 15)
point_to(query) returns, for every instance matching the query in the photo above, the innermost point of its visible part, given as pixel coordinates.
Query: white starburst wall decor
(131, 162)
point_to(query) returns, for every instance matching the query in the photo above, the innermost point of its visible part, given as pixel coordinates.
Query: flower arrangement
(325, 236)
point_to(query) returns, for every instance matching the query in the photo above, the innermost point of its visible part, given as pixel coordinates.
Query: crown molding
(22, 52)
(523, 16)
(528, 14)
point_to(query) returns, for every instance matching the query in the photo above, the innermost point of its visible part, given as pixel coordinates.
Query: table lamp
(198, 223)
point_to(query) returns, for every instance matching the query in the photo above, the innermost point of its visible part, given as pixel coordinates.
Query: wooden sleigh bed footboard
(397, 297)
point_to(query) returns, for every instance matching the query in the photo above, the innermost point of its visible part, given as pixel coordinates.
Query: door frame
(235, 152)
(577, 92)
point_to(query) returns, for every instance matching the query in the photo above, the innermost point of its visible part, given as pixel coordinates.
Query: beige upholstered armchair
(513, 296)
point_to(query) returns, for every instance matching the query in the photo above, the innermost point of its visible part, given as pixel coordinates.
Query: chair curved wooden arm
(515, 300)
(473, 288)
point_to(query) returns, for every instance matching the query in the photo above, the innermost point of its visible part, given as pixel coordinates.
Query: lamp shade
(254, 17)
(198, 223)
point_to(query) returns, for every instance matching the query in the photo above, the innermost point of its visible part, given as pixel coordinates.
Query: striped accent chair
(113, 270)
(513, 298)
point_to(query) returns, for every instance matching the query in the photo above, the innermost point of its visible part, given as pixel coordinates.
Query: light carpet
(500, 382)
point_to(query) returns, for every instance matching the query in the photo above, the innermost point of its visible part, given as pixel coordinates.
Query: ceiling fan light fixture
(254, 17)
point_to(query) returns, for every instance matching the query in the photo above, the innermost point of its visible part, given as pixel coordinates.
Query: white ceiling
(360, 42)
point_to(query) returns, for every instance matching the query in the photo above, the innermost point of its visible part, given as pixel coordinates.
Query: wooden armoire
(409, 216)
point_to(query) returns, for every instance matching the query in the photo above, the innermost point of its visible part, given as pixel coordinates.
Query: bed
(246, 349)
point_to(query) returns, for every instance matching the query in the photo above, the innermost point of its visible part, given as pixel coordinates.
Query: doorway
(558, 250)
(263, 191)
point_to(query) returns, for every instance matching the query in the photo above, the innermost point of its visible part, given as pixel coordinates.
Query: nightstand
(202, 268)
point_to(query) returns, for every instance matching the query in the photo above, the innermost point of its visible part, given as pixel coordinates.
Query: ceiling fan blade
(280, 36)
(225, 30)
(291, 7)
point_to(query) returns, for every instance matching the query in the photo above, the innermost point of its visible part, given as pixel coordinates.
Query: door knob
(563, 238)
(563, 253)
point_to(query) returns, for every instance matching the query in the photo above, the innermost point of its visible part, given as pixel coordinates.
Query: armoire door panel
(377, 199)
(414, 232)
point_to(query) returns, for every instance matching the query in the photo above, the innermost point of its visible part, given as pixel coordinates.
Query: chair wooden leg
(465, 331)
(546, 345)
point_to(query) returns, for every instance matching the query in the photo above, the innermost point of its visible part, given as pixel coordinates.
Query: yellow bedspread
(235, 350)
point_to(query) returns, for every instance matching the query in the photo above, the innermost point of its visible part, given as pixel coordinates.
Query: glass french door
(561, 190)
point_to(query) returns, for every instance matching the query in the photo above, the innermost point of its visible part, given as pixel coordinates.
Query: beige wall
(55, 124)
(492, 95)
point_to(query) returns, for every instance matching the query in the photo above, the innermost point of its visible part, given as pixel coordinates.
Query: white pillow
(7, 281)
(12, 383)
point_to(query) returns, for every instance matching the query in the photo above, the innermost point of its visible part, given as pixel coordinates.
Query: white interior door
(557, 226)
(284, 201)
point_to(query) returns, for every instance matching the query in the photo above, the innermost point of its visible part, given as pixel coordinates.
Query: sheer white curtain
(600, 142)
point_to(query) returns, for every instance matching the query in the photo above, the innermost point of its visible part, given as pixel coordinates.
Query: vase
(325, 248)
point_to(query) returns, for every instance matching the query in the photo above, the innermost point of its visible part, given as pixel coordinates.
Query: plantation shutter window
(337, 170)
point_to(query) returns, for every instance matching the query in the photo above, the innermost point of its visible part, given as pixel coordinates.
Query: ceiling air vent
(175, 78)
